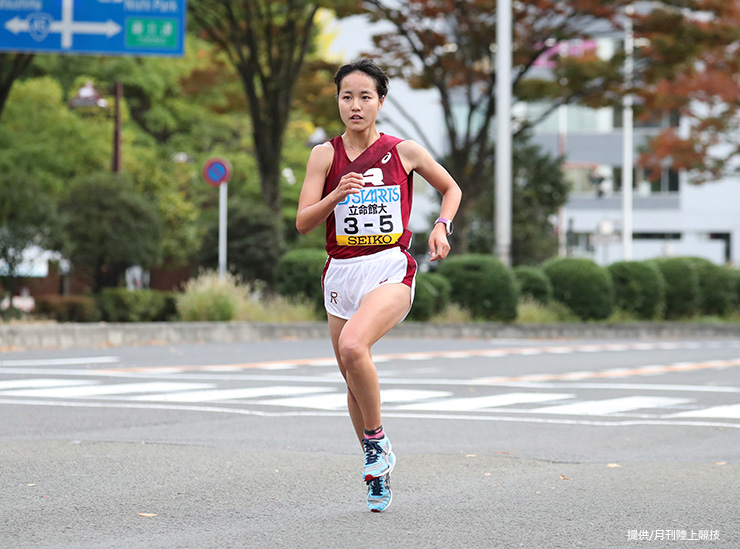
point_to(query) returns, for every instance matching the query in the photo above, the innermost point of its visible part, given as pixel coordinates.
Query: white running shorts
(346, 281)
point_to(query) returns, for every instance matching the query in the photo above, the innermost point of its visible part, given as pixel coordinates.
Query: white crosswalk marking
(339, 400)
(730, 411)
(611, 405)
(230, 394)
(28, 383)
(105, 390)
(480, 403)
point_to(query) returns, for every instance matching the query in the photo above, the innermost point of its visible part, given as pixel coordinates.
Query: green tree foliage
(27, 219)
(539, 190)
(253, 245)
(449, 46)
(267, 43)
(110, 227)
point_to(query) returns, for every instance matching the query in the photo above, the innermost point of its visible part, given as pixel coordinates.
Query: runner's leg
(379, 311)
(335, 329)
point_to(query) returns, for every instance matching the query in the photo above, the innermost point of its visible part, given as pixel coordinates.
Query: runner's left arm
(415, 157)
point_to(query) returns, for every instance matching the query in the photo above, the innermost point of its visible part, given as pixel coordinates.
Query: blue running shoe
(379, 495)
(379, 459)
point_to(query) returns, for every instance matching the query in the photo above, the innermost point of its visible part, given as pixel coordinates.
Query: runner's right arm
(312, 208)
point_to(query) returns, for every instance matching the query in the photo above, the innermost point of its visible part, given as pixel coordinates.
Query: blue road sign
(217, 171)
(102, 27)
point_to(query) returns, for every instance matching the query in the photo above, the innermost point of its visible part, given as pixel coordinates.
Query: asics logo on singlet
(386, 158)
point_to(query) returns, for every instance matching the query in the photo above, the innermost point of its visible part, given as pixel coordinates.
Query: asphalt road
(519, 443)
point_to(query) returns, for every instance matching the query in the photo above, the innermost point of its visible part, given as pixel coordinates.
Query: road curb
(25, 337)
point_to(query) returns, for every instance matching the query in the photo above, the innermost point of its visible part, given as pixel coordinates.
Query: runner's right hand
(350, 183)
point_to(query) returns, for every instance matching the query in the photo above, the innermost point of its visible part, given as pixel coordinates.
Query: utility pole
(503, 134)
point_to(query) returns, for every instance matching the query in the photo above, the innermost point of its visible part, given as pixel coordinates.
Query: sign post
(217, 172)
(100, 27)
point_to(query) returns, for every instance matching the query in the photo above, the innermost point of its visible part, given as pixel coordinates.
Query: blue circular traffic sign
(217, 171)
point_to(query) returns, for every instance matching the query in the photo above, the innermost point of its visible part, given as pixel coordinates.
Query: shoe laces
(372, 451)
(376, 486)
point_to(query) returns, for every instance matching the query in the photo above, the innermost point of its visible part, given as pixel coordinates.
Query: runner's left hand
(439, 247)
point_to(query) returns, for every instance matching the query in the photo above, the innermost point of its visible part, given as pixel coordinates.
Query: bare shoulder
(321, 158)
(413, 155)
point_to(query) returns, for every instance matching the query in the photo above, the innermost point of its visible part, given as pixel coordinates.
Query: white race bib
(373, 216)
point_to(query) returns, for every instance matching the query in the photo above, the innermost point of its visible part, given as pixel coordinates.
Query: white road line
(60, 361)
(730, 411)
(105, 390)
(611, 405)
(481, 403)
(230, 394)
(400, 415)
(334, 401)
(40, 382)
(339, 400)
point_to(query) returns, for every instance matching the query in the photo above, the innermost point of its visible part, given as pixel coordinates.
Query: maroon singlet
(384, 182)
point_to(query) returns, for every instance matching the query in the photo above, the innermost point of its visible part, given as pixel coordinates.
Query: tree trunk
(12, 65)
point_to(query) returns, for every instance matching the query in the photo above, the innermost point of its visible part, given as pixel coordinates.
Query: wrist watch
(447, 224)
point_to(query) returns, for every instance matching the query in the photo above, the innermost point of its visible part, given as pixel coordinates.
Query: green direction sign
(159, 33)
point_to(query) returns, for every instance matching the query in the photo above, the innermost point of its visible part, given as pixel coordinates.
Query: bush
(483, 285)
(67, 308)
(682, 291)
(122, 305)
(639, 288)
(736, 296)
(207, 297)
(534, 284)
(432, 296)
(581, 285)
(298, 274)
(716, 286)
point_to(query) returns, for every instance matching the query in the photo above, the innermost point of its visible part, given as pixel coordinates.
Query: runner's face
(358, 101)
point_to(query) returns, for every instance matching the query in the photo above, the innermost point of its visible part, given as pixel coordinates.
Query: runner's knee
(352, 350)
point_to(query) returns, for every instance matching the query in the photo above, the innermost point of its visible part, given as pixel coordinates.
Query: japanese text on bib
(373, 216)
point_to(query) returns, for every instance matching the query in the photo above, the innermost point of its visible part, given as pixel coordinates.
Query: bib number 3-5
(373, 216)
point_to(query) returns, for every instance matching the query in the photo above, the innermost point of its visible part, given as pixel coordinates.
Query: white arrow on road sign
(40, 25)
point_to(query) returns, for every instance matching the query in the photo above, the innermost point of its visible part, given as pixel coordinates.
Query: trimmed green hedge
(432, 296)
(298, 274)
(581, 285)
(122, 305)
(682, 290)
(639, 288)
(533, 283)
(716, 285)
(483, 285)
(67, 308)
(736, 296)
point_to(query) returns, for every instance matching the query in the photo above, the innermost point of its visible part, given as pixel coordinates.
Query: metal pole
(223, 192)
(627, 127)
(503, 134)
(116, 166)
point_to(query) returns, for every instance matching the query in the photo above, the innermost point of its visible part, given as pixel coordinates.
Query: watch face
(449, 227)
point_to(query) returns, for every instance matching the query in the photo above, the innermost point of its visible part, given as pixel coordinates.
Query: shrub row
(111, 305)
(670, 288)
